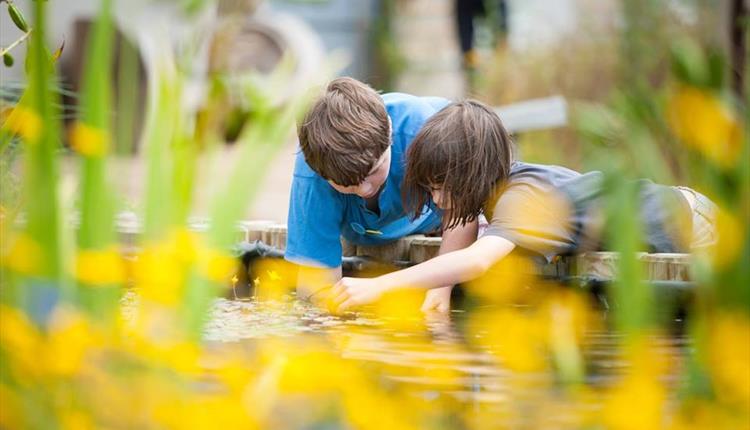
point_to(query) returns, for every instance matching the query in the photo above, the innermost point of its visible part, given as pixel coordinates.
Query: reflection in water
(459, 363)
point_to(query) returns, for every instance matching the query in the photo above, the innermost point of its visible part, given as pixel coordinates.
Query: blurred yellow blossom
(95, 267)
(273, 275)
(76, 420)
(186, 244)
(21, 341)
(159, 273)
(705, 415)
(401, 307)
(731, 234)
(216, 265)
(235, 373)
(315, 370)
(71, 337)
(11, 412)
(517, 337)
(638, 400)
(729, 356)
(703, 122)
(508, 280)
(274, 278)
(88, 141)
(24, 122)
(204, 412)
(24, 256)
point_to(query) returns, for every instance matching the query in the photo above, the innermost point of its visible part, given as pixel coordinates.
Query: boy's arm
(453, 239)
(447, 269)
(312, 282)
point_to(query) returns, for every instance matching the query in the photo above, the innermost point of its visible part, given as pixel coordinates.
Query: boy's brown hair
(463, 149)
(345, 132)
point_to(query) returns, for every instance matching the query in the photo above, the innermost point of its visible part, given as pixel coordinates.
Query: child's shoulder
(408, 112)
(410, 101)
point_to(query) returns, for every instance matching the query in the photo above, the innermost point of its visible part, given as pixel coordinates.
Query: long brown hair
(345, 132)
(465, 150)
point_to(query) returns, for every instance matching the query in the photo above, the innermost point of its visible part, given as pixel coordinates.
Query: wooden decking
(416, 249)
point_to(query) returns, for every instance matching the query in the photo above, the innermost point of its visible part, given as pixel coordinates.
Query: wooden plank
(274, 235)
(396, 251)
(667, 267)
(424, 248)
(254, 229)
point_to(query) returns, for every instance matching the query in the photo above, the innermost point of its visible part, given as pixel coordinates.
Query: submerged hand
(437, 299)
(351, 292)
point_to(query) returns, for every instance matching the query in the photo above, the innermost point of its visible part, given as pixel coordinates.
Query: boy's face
(374, 180)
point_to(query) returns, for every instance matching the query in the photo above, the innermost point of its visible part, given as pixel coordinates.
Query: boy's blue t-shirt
(319, 215)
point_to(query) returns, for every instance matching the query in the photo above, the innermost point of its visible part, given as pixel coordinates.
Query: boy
(347, 182)
(462, 161)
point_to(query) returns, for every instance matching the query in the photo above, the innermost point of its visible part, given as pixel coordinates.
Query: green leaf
(17, 17)
(689, 63)
(716, 69)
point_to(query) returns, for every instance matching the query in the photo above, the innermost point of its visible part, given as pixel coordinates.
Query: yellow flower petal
(729, 356)
(24, 122)
(217, 266)
(88, 141)
(704, 123)
(24, 256)
(100, 267)
(159, 273)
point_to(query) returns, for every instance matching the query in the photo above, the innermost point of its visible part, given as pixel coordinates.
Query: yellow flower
(11, 414)
(517, 337)
(506, 281)
(25, 256)
(729, 357)
(186, 243)
(217, 266)
(273, 275)
(100, 267)
(400, 309)
(70, 339)
(20, 340)
(637, 402)
(705, 124)
(159, 273)
(88, 141)
(314, 371)
(731, 234)
(204, 411)
(75, 420)
(24, 122)
(276, 278)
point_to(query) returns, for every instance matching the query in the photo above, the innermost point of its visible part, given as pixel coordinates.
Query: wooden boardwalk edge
(419, 248)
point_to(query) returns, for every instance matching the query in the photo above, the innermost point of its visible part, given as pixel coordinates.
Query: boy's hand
(351, 292)
(437, 299)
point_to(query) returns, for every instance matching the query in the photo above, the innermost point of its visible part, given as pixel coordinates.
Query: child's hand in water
(351, 292)
(437, 299)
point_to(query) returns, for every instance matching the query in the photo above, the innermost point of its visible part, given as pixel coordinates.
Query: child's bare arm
(447, 269)
(313, 282)
(453, 239)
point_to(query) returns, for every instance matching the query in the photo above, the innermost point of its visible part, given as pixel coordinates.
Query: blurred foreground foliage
(92, 338)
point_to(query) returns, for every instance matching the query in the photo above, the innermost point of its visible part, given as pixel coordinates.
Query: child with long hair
(462, 160)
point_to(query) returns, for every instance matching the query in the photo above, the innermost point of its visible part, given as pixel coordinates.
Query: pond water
(457, 362)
